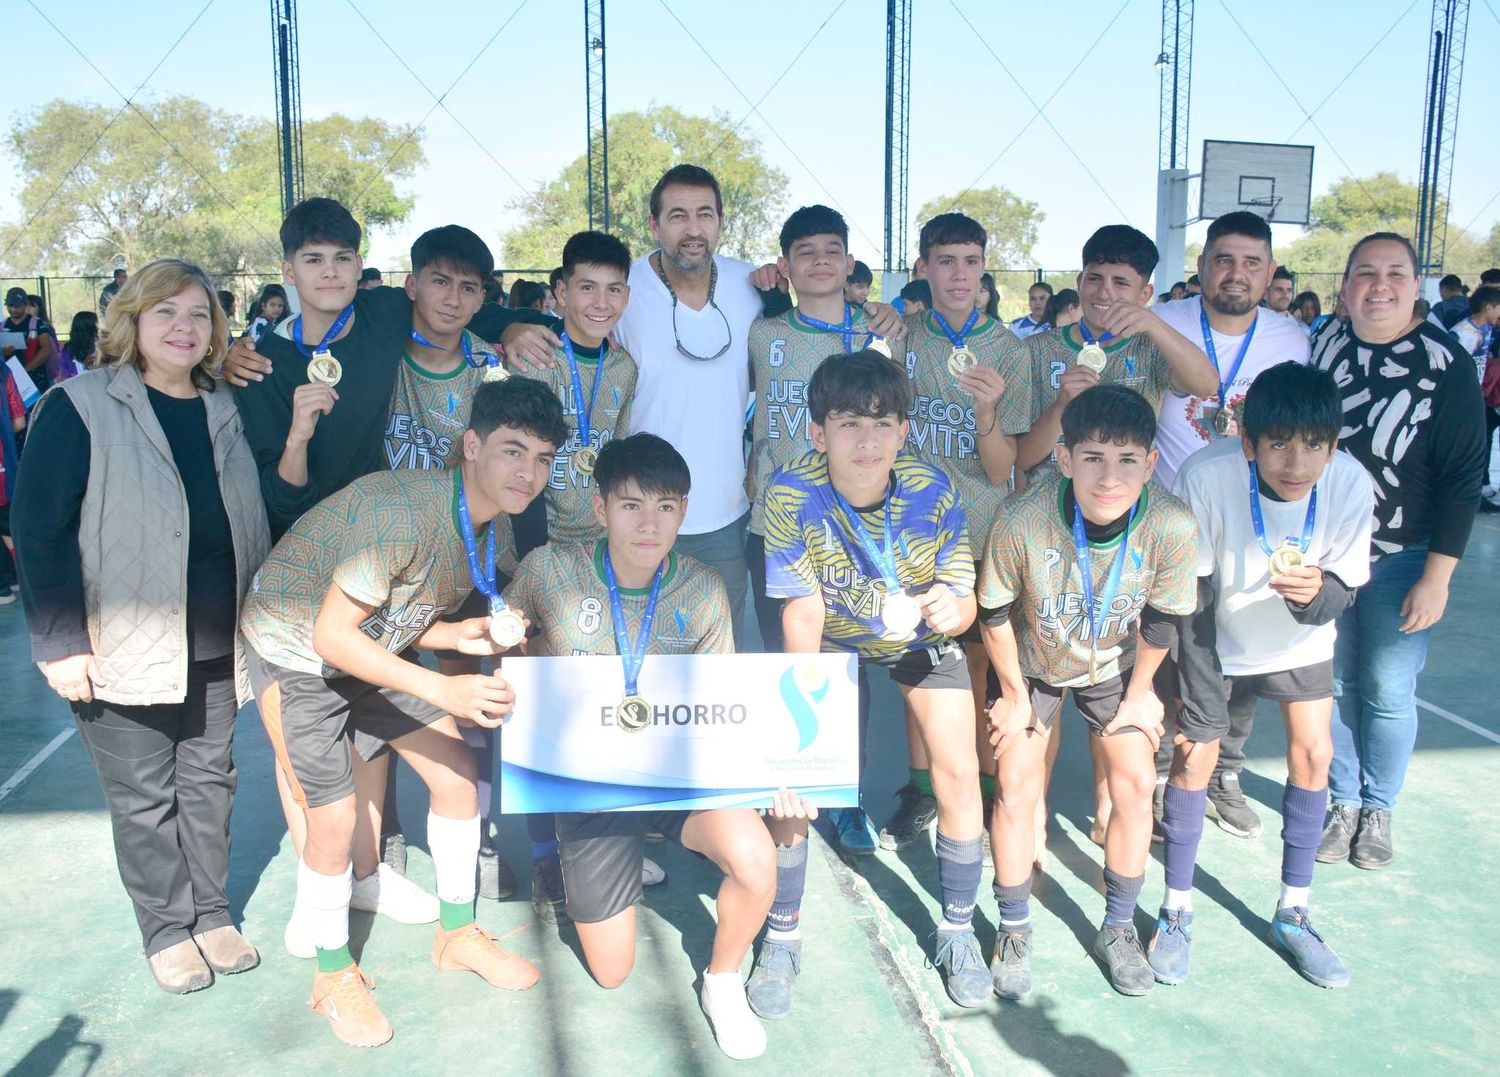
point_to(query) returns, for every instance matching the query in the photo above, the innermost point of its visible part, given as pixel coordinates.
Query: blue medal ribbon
(884, 558)
(1089, 338)
(463, 342)
(956, 338)
(1111, 583)
(1225, 384)
(1305, 542)
(333, 331)
(483, 575)
(585, 408)
(846, 330)
(634, 657)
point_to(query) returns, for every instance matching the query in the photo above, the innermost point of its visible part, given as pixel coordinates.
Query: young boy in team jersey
(593, 598)
(868, 548)
(972, 398)
(1119, 341)
(358, 580)
(1283, 539)
(1081, 585)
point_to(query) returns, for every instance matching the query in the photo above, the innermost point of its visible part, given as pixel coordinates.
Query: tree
(643, 145)
(1011, 221)
(186, 180)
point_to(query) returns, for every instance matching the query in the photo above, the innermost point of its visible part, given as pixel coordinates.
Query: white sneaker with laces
(651, 872)
(392, 894)
(736, 1028)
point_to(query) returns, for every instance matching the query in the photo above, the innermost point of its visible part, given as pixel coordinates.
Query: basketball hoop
(1271, 180)
(1263, 207)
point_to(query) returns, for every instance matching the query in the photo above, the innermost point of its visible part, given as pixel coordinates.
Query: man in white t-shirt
(1235, 270)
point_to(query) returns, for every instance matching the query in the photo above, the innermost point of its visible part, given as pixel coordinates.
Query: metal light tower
(897, 126)
(1174, 63)
(288, 101)
(598, 115)
(1445, 66)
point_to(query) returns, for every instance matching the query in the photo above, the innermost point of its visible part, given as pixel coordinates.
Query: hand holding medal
(322, 367)
(1291, 576)
(507, 628)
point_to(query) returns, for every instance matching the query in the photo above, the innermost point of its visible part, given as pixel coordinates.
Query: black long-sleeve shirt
(349, 441)
(54, 475)
(1414, 417)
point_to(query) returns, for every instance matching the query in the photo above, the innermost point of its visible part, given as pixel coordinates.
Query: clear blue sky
(823, 122)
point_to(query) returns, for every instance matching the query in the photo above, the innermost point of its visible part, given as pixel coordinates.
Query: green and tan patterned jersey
(560, 588)
(784, 352)
(1134, 363)
(570, 494)
(429, 412)
(1031, 565)
(388, 540)
(942, 417)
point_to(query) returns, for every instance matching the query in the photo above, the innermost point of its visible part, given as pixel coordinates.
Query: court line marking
(1487, 734)
(35, 761)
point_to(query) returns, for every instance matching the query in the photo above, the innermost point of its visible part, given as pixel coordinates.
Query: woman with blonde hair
(136, 544)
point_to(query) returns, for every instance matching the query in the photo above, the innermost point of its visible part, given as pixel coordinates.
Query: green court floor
(76, 997)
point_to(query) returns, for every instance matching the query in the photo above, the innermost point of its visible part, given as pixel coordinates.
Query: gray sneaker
(962, 965)
(496, 880)
(548, 900)
(1118, 949)
(1227, 807)
(1372, 842)
(393, 851)
(1338, 833)
(914, 816)
(1010, 971)
(769, 990)
(1293, 934)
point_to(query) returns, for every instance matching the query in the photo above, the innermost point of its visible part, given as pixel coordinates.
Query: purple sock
(1015, 902)
(791, 880)
(1120, 894)
(1182, 823)
(1302, 813)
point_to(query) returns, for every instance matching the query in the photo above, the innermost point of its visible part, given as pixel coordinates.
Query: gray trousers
(168, 778)
(724, 551)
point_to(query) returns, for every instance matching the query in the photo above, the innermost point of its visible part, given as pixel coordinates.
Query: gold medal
(633, 714)
(901, 615)
(507, 628)
(879, 345)
(960, 359)
(1286, 558)
(324, 368)
(1225, 422)
(585, 459)
(1092, 357)
(495, 372)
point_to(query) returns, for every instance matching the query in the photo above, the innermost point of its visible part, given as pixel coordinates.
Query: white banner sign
(725, 731)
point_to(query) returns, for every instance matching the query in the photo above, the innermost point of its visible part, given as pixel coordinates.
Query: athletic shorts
(314, 723)
(1098, 703)
(939, 665)
(1283, 686)
(601, 858)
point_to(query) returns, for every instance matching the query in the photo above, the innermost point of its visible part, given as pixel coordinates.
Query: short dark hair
(1120, 244)
(1486, 295)
(861, 274)
(1283, 273)
(118, 273)
(318, 220)
(453, 246)
(526, 293)
(1303, 297)
(552, 279)
(1195, 280)
(920, 290)
(370, 273)
(947, 228)
(816, 220)
(1109, 413)
(1239, 223)
(226, 299)
(596, 249)
(1453, 282)
(1382, 237)
(523, 403)
(686, 176)
(1490, 276)
(1043, 285)
(654, 465)
(864, 383)
(1290, 400)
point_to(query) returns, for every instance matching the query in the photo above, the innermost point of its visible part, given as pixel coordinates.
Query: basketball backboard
(1270, 179)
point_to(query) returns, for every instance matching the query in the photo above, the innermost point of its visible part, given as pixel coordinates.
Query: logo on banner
(802, 690)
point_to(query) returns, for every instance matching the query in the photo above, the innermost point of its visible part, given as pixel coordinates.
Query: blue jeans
(724, 550)
(1375, 668)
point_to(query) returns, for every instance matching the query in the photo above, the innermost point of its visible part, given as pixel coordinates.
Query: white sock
(323, 905)
(454, 844)
(1011, 925)
(772, 935)
(1178, 899)
(1294, 896)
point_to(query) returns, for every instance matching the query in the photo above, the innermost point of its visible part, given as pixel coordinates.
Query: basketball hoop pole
(1175, 64)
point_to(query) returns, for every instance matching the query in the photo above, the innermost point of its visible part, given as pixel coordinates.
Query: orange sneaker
(471, 948)
(344, 998)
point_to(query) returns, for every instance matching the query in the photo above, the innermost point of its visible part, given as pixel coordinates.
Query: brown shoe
(226, 950)
(471, 948)
(344, 998)
(180, 968)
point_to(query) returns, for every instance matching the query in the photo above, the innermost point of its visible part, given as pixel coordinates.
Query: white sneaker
(651, 872)
(298, 939)
(738, 1031)
(1488, 491)
(392, 894)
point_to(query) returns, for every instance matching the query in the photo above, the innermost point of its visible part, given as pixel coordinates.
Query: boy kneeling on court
(869, 548)
(1283, 539)
(629, 594)
(1071, 571)
(331, 615)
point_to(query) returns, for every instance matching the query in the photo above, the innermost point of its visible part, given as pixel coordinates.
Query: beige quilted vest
(133, 535)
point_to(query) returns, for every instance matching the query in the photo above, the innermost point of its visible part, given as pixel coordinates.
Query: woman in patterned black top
(1414, 417)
